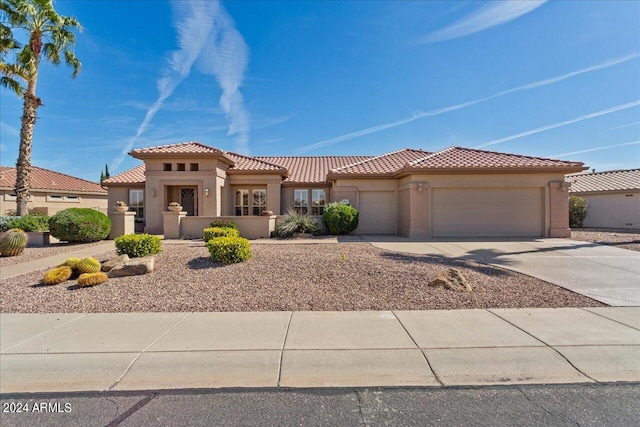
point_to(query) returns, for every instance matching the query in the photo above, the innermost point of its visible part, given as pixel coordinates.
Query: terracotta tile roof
(44, 179)
(253, 164)
(461, 158)
(388, 163)
(617, 180)
(309, 170)
(192, 147)
(132, 176)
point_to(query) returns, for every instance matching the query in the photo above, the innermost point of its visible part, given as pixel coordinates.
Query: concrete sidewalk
(605, 273)
(142, 351)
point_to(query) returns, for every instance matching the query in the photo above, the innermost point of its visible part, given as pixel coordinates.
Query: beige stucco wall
(39, 200)
(250, 227)
(612, 210)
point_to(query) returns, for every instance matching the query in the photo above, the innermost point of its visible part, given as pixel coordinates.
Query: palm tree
(50, 39)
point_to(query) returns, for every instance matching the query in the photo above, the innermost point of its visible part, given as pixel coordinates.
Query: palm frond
(71, 60)
(12, 84)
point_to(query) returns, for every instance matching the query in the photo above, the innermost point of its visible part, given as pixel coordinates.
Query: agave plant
(295, 222)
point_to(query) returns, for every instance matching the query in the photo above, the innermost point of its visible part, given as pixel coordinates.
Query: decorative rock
(116, 262)
(134, 267)
(452, 279)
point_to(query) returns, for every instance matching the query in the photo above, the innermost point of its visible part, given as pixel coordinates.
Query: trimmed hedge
(224, 223)
(80, 225)
(229, 250)
(213, 232)
(340, 218)
(138, 245)
(30, 223)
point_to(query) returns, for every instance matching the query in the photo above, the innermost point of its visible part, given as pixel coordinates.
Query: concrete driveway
(605, 273)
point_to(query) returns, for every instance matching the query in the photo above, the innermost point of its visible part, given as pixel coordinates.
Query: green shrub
(577, 211)
(340, 218)
(229, 250)
(138, 245)
(224, 223)
(30, 223)
(4, 222)
(295, 222)
(80, 225)
(213, 232)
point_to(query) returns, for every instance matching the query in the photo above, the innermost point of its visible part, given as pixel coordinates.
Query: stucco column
(122, 223)
(419, 209)
(273, 198)
(559, 209)
(171, 224)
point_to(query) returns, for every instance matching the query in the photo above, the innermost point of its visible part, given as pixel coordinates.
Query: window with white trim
(301, 200)
(259, 201)
(250, 201)
(242, 202)
(136, 203)
(317, 201)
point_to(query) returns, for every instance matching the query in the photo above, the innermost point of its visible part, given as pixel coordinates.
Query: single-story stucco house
(450, 193)
(613, 197)
(51, 192)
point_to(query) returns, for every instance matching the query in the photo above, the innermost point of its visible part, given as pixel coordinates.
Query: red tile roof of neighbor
(616, 180)
(44, 179)
(306, 170)
(132, 176)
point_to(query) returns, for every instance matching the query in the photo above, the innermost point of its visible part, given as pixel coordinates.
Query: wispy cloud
(493, 14)
(264, 122)
(422, 114)
(226, 59)
(625, 126)
(606, 147)
(205, 31)
(560, 124)
(9, 129)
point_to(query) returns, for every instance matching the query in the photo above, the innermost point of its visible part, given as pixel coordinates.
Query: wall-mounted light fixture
(206, 192)
(153, 193)
(563, 185)
(419, 186)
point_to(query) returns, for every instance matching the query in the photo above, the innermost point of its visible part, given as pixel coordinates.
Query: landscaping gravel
(346, 276)
(621, 238)
(37, 252)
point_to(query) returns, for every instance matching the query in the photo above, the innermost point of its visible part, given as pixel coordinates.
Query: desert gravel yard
(38, 252)
(346, 276)
(620, 238)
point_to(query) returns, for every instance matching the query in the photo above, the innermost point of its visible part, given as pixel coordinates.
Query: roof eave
(505, 170)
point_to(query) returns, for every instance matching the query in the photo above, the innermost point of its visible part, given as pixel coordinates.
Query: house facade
(455, 192)
(51, 192)
(613, 197)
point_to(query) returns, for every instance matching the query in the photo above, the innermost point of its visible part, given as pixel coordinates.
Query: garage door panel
(376, 212)
(487, 212)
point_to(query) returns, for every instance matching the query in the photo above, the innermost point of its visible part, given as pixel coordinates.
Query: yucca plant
(295, 222)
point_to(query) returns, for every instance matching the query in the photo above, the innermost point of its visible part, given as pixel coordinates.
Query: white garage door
(462, 212)
(377, 212)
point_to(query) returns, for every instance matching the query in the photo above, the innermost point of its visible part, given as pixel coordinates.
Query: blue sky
(557, 78)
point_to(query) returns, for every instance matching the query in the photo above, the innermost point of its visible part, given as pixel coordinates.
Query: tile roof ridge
(604, 172)
(256, 159)
(429, 156)
(67, 175)
(512, 154)
(316, 157)
(177, 144)
(368, 160)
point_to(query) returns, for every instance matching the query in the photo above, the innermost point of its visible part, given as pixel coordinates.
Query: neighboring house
(51, 192)
(456, 192)
(613, 197)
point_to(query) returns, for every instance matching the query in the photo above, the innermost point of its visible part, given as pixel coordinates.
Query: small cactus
(71, 262)
(13, 243)
(92, 279)
(57, 275)
(88, 265)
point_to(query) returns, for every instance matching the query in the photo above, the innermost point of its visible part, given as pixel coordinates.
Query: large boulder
(134, 267)
(452, 279)
(116, 262)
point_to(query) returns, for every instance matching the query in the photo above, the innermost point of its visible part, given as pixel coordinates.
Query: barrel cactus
(88, 265)
(57, 275)
(71, 262)
(92, 279)
(13, 243)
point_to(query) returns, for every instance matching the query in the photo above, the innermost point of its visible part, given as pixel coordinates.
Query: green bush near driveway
(213, 232)
(80, 225)
(577, 211)
(30, 223)
(138, 245)
(229, 250)
(340, 218)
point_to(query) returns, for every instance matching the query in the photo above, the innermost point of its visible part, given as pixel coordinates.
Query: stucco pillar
(559, 209)
(122, 223)
(273, 198)
(171, 224)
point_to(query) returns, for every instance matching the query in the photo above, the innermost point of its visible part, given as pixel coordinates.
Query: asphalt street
(613, 404)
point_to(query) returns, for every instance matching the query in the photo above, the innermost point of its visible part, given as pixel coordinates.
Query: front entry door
(188, 200)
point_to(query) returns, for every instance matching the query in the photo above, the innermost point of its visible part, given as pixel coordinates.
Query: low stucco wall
(250, 227)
